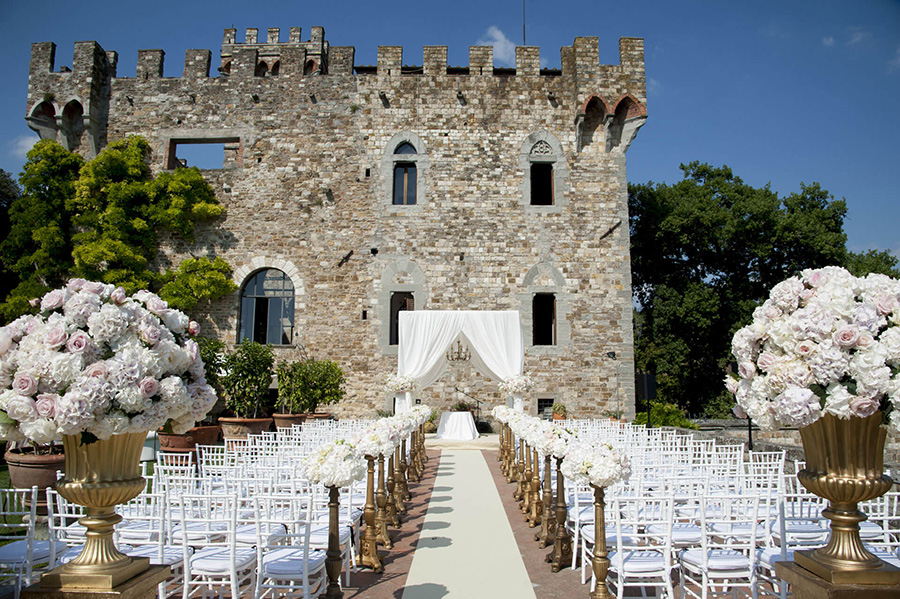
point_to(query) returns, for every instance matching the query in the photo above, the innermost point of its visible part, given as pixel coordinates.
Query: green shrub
(306, 384)
(665, 414)
(249, 375)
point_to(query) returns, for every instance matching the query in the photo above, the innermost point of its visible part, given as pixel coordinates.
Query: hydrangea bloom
(516, 384)
(823, 342)
(598, 465)
(335, 464)
(96, 361)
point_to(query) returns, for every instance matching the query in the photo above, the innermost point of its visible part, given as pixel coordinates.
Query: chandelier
(458, 353)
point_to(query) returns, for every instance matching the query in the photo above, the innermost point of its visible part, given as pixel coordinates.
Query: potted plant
(318, 382)
(290, 401)
(32, 464)
(207, 431)
(559, 411)
(246, 383)
(463, 406)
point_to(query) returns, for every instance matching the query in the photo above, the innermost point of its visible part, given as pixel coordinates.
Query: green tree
(38, 248)
(101, 221)
(9, 192)
(704, 252)
(878, 261)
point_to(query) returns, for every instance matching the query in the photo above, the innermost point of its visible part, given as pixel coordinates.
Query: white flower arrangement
(823, 342)
(598, 465)
(552, 440)
(519, 383)
(501, 413)
(335, 464)
(96, 362)
(400, 383)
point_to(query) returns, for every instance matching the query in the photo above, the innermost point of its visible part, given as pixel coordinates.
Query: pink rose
(97, 370)
(53, 300)
(75, 285)
(93, 287)
(864, 406)
(886, 303)
(21, 408)
(846, 335)
(766, 361)
(118, 296)
(148, 386)
(79, 342)
(150, 334)
(805, 348)
(815, 278)
(738, 411)
(865, 340)
(157, 305)
(46, 405)
(56, 337)
(24, 384)
(193, 328)
(5, 341)
(747, 370)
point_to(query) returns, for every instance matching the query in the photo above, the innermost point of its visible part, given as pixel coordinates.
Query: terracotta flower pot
(559, 416)
(198, 435)
(288, 420)
(27, 470)
(239, 428)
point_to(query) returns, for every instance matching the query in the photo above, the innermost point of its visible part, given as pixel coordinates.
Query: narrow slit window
(544, 319)
(400, 301)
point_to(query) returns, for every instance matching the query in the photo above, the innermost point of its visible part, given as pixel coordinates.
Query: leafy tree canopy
(100, 220)
(704, 252)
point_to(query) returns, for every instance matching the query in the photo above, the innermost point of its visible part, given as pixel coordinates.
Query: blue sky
(781, 91)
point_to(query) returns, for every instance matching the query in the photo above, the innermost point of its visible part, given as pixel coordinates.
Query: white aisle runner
(466, 549)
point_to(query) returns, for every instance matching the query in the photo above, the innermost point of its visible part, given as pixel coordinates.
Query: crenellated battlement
(271, 57)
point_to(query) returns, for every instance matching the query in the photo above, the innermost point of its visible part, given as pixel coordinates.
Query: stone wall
(306, 180)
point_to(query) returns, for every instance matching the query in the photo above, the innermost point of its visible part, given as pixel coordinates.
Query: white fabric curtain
(494, 338)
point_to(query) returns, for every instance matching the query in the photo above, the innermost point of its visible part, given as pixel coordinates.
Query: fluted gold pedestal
(806, 585)
(142, 586)
(845, 465)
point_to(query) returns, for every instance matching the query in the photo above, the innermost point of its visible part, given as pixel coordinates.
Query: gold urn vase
(100, 476)
(845, 465)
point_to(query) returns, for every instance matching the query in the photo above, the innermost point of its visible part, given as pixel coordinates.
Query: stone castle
(355, 192)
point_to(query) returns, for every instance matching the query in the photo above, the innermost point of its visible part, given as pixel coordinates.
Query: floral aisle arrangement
(335, 464)
(400, 383)
(823, 342)
(517, 384)
(97, 362)
(595, 464)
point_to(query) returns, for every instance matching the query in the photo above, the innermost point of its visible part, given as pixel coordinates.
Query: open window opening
(400, 301)
(541, 184)
(544, 319)
(205, 153)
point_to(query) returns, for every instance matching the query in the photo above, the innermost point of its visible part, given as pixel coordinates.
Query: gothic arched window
(267, 308)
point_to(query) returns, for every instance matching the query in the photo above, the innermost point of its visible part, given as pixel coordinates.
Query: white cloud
(828, 41)
(894, 63)
(504, 49)
(653, 86)
(19, 146)
(858, 35)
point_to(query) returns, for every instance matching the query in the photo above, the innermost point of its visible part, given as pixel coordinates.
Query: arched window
(404, 177)
(545, 183)
(404, 166)
(402, 288)
(261, 69)
(267, 308)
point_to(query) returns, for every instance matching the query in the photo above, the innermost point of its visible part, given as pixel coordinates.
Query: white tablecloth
(459, 426)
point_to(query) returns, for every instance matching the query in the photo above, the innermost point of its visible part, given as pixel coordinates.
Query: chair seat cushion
(17, 551)
(767, 556)
(198, 530)
(717, 559)
(683, 533)
(637, 562)
(217, 560)
(587, 531)
(287, 563)
(170, 557)
(318, 536)
(246, 533)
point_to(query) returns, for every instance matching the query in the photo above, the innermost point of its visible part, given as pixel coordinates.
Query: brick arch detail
(598, 98)
(640, 109)
(257, 263)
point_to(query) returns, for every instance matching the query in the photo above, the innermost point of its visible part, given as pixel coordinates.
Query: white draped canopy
(494, 338)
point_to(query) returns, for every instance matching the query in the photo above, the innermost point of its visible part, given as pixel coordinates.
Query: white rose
(838, 401)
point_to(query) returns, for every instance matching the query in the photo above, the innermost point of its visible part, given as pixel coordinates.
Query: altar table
(459, 426)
